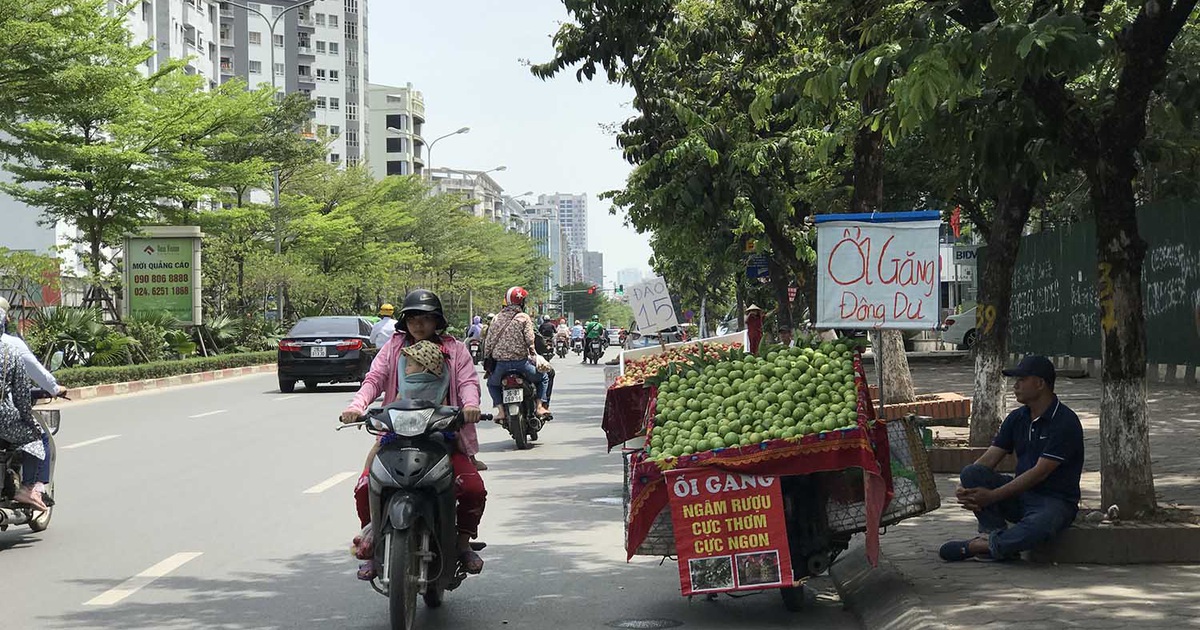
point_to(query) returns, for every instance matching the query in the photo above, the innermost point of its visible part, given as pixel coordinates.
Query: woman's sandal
(470, 562)
(367, 571)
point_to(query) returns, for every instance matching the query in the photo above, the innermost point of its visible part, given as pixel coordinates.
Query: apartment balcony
(227, 68)
(306, 22)
(305, 51)
(226, 41)
(417, 102)
(226, 13)
(308, 80)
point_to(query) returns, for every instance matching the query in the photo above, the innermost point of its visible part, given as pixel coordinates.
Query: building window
(320, 74)
(320, 19)
(320, 102)
(333, 21)
(334, 76)
(320, 46)
(351, 30)
(280, 69)
(276, 10)
(256, 67)
(352, 6)
(145, 11)
(255, 6)
(335, 103)
(351, 138)
(335, 130)
(397, 167)
(335, 158)
(333, 48)
(396, 145)
(395, 121)
(255, 38)
(352, 161)
(278, 39)
(353, 83)
(351, 111)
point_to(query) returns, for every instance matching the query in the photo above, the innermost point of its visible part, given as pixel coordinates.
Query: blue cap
(1034, 365)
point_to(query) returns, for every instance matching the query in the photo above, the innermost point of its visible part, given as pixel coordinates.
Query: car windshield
(325, 326)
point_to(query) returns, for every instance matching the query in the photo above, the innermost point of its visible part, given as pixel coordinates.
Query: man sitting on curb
(1042, 499)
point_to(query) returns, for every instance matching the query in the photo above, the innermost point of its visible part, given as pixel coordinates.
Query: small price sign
(652, 306)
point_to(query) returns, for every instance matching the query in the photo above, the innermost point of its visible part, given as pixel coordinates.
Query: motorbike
(560, 347)
(520, 404)
(593, 351)
(577, 345)
(546, 348)
(475, 346)
(11, 512)
(413, 505)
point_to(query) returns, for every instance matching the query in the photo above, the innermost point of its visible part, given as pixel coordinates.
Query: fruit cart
(722, 433)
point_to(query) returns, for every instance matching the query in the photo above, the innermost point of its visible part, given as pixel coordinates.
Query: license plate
(513, 395)
(317, 351)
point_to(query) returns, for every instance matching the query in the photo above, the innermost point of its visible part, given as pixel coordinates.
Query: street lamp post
(429, 149)
(271, 24)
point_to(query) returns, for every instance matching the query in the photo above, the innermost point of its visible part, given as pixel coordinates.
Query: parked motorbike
(594, 350)
(520, 404)
(476, 348)
(413, 505)
(11, 512)
(577, 346)
(560, 347)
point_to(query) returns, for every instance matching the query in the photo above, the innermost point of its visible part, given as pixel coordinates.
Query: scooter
(593, 351)
(577, 345)
(413, 505)
(546, 348)
(560, 347)
(11, 512)
(520, 405)
(475, 346)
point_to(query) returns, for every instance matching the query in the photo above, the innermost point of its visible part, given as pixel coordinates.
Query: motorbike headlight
(409, 423)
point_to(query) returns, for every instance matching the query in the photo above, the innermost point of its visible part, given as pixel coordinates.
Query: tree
(577, 300)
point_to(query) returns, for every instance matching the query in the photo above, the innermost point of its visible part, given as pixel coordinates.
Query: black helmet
(421, 301)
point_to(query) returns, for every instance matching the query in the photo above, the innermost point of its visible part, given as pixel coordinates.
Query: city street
(228, 505)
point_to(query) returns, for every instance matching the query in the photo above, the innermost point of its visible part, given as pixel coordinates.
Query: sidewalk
(1027, 595)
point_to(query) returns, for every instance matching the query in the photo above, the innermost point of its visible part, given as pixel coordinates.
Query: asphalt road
(228, 505)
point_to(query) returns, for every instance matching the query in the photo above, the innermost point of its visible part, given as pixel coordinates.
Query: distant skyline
(466, 59)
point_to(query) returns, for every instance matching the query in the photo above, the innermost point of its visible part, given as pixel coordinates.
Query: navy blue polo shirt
(1057, 434)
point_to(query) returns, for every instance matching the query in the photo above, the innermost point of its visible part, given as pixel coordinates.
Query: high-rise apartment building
(176, 29)
(593, 268)
(481, 194)
(319, 50)
(572, 214)
(397, 118)
(550, 241)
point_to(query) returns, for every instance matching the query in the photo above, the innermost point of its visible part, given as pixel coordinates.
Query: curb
(940, 356)
(92, 392)
(881, 597)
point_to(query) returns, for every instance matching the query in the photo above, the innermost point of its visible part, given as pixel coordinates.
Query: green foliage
(85, 376)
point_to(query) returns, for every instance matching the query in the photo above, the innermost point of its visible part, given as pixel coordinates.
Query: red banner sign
(730, 531)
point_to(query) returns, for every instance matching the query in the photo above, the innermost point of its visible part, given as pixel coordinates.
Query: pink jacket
(464, 382)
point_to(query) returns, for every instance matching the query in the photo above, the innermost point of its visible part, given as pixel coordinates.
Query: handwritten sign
(730, 531)
(652, 307)
(878, 271)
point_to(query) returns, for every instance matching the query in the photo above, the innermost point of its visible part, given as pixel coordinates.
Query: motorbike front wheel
(516, 426)
(403, 579)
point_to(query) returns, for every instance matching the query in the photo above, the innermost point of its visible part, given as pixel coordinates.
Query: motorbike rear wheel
(516, 426)
(40, 522)
(403, 581)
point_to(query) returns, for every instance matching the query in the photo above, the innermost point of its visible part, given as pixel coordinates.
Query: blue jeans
(524, 366)
(33, 469)
(1036, 517)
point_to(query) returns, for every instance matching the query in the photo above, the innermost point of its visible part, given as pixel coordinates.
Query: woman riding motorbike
(510, 342)
(420, 362)
(18, 427)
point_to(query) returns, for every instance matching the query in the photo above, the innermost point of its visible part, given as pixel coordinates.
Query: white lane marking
(143, 579)
(330, 482)
(287, 397)
(88, 442)
(209, 413)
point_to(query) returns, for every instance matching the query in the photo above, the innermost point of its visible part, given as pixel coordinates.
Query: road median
(131, 387)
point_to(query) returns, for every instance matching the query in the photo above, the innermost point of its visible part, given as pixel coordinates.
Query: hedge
(85, 376)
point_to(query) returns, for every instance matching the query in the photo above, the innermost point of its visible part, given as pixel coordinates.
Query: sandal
(955, 551)
(367, 571)
(30, 497)
(479, 465)
(470, 562)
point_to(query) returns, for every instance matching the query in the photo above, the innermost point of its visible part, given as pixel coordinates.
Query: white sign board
(878, 271)
(652, 307)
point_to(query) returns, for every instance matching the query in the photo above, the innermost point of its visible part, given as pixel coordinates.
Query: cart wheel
(795, 598)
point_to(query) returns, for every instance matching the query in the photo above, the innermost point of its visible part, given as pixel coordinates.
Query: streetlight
(271, 24)
(429, 149)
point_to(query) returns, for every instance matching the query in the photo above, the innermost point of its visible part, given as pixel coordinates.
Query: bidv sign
(878, 271)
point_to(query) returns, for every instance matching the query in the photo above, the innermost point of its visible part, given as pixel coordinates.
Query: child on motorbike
(436, 367)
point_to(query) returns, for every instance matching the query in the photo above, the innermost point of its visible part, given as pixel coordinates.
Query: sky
(465, 57)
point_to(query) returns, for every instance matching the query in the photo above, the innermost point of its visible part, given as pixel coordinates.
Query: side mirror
(56, 361)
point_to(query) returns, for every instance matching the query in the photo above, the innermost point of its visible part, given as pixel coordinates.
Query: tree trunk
(779, 281)
(897, 380)
(1126, 477)
(994, 307)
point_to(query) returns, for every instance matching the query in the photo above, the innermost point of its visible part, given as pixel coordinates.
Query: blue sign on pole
(756, 267)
